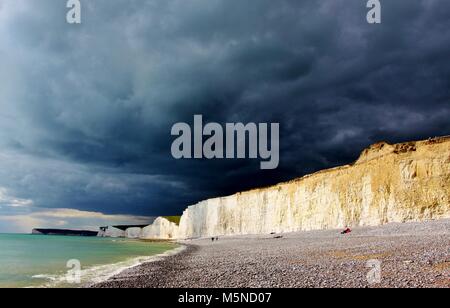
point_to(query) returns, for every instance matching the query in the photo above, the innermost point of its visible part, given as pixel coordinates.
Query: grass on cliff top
(174, 219)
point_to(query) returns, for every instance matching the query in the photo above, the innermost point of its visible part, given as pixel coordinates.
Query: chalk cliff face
(160, 229)
(133, 232)
(111, 231)
(388, 183)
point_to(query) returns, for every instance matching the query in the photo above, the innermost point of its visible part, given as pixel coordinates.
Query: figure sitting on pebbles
(346, 231)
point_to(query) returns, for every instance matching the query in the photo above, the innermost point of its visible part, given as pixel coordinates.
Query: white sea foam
(101, 273)
(46, 277)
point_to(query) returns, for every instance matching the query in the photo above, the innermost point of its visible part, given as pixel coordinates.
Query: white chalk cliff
(160, 229)
(111, 231)
(389, 183)
(133, 232)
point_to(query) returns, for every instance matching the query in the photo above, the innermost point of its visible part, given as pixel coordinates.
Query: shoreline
(128, 278)
(100, 273)
(410, 254)
(135, 262)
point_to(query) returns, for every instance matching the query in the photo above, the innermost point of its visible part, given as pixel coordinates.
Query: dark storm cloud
(99, 99)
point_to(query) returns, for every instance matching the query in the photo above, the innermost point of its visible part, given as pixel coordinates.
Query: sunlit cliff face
(400, 183)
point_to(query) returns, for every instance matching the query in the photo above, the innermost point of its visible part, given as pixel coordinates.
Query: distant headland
(62, 232)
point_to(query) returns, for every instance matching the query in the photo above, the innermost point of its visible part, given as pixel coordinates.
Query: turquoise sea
(42, 261)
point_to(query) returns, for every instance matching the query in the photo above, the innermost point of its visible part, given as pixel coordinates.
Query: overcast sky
(86, 110)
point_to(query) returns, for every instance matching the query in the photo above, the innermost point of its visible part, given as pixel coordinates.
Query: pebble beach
(395, 255)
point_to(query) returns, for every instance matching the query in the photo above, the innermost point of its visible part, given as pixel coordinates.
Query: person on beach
(346, 231)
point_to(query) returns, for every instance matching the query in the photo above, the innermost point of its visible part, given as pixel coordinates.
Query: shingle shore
(411, 255)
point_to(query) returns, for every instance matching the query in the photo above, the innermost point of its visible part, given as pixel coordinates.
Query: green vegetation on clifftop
(174, 219)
